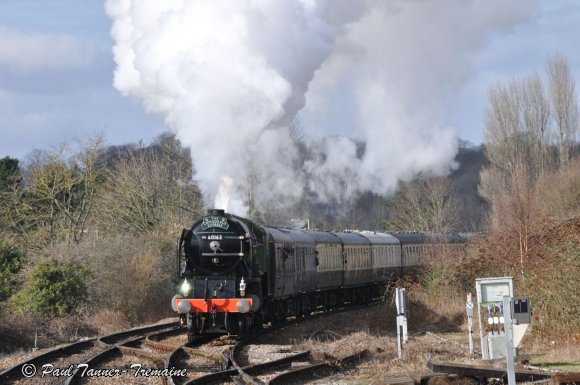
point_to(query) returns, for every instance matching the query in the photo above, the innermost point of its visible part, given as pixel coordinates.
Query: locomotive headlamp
(185, 287)
(174, 301)
(243, 306)
(242, 287)
(183, 307)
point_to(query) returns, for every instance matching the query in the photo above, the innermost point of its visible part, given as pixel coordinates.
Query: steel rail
(15, 372)
(190, 347)
(486, 371)
(245, 372)
(319, 369)
(126, 335)
(115, 342)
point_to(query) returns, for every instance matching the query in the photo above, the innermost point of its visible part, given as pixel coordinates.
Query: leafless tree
(57, 194)
(147, 191)
(535, 115)
(517, 126)
(517, 143)
(561, 87)
(426, 205)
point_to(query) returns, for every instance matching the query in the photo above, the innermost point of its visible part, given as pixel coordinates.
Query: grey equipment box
(521, 310)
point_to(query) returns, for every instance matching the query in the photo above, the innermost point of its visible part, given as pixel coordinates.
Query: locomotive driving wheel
(242, 326)
(192, 329)
(190, 335)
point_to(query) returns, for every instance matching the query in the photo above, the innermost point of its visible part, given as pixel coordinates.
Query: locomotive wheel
(258, 321)
(367, 295)
(242, 327)
(274, 313)
(326, 302)
(192, 330)
(279, 314)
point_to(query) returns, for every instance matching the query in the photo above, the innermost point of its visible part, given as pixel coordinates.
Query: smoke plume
(369, 83)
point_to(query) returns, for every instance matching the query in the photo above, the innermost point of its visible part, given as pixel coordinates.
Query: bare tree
(561, 87)
(518, 147)
(425, 205)
(517, 126)
(147, 191)
(535, 115)
(56, 198)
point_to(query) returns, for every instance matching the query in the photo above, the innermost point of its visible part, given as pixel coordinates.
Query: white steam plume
(231, 76)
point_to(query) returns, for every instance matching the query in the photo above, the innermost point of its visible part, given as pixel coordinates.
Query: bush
(54, 289)
(10, 264)
(552, 277)
(550, 273)
(137, 279)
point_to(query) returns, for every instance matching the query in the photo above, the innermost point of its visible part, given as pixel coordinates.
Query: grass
(374, 329)
(563, 356)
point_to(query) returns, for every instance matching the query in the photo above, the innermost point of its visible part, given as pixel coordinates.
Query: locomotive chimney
(217, 212)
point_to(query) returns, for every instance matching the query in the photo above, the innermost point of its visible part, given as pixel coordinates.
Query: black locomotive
(236, 275)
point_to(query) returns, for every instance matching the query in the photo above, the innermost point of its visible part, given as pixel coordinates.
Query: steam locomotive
(235, 275)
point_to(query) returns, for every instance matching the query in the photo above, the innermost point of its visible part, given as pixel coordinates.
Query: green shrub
(554, 290)
(54, 289)
(10, 264)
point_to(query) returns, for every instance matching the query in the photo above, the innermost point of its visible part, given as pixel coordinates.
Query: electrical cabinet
(521, 310)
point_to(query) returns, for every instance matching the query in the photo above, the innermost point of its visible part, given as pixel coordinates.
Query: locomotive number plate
(214, 237)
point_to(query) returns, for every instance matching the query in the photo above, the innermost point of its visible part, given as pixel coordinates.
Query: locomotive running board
(222, 254)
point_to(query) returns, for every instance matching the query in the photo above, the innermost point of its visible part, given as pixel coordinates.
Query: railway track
(65, 364)
(160, 354)
(288, 366)
(295, 368)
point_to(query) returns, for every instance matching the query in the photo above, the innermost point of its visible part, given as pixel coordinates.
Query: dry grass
(442, 312)
(109, 321)
(20, 333)
(374, 329)
(383, 361)
(557, 355)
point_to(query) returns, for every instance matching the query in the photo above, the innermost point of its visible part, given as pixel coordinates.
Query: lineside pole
(469, 309)
(401, 320)
(509, 339)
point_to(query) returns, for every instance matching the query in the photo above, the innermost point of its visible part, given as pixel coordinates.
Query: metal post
(469, 309)
(35, 348)
(401, 320)
(483, 348)
(402, 296)
(405, 334)
(509, 346)
(399, 344)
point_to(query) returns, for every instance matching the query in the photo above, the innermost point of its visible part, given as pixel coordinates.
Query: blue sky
(56, 73)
